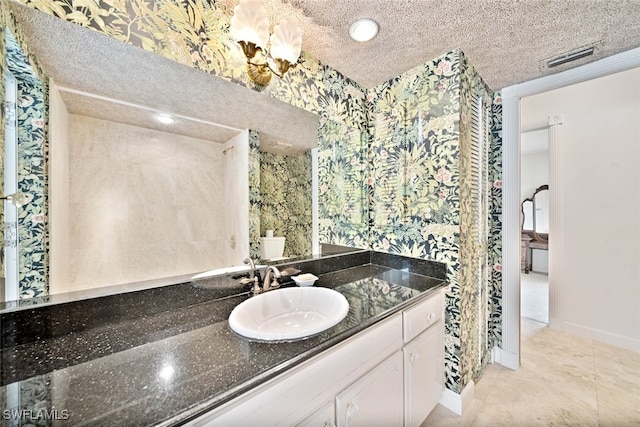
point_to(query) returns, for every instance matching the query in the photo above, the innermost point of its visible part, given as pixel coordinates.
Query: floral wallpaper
(254, 194)
(494, 290)
(342, 168)
(32, 178)
(3, 118)
(421, 190)
(474, 232)
(392, 159)
(25, 66)
(285, 183)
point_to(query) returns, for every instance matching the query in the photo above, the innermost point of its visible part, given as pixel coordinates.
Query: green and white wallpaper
(285, 187)
(421, 191)
(254, 194)
(30, 123)
(392, 160)
(343, 175)
(494, 244)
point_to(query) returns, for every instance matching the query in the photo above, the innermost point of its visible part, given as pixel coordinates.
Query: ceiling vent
(571, 56)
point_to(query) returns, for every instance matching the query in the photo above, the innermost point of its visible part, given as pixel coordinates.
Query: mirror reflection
(535, 226)
(131, 198)
(527, 214)
(541, 211)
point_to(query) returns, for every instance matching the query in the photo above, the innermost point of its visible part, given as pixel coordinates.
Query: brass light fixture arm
(260, 73)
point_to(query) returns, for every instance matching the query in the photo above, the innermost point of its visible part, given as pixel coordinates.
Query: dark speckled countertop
(164, 367)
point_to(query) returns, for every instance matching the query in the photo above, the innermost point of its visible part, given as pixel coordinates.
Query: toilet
(271, 247)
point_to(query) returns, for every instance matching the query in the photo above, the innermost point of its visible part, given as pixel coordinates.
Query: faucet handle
(255, 282)
(274, 283)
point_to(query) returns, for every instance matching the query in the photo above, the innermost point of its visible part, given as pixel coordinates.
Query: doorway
(509, 353)
(534, 163)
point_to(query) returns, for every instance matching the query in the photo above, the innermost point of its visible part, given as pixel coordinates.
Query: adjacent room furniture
(535, 226)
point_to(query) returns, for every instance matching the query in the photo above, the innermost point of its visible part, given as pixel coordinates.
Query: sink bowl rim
(247, 318)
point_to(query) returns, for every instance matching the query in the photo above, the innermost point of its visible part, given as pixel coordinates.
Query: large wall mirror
(535, 226)
(535, 214)
(129, 198)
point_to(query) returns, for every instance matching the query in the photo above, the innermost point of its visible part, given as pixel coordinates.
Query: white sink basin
(289, 313)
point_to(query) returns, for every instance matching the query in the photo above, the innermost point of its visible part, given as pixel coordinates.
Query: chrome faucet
(249, 261)
(253, 277)
(271, 276)
(274, 279)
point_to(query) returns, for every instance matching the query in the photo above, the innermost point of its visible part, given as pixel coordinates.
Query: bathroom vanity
(166, 356)
(390, 374)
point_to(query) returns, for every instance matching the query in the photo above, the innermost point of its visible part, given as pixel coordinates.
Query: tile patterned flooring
(534, 296)
(563, 380)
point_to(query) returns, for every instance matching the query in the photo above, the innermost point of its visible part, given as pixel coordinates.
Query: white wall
(534, 165)
(144, 204)
(236, 197)
(58, 193)
(597, 249)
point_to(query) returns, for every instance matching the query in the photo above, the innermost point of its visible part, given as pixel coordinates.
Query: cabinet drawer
(419, 318)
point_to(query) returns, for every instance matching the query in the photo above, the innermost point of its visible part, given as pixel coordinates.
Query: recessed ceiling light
(165, 119)
(363, 30)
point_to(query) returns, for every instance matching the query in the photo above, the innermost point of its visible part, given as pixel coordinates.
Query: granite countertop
(134, 372)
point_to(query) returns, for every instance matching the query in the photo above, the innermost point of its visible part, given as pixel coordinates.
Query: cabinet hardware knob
(414, 357)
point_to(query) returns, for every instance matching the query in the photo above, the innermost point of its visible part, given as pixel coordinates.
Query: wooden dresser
(525, 253)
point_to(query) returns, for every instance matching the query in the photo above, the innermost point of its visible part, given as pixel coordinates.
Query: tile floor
(564, 380)
(534, 296)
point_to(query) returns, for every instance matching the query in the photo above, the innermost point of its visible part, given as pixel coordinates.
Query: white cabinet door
(323, 417)
(376, 399)
(423, 374)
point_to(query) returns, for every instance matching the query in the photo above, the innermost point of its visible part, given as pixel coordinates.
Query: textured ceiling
(508, 41)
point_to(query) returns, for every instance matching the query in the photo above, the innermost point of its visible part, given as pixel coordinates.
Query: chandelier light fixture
(250, 28)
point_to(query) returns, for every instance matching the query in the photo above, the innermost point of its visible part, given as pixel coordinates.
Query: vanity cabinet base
(370, 377)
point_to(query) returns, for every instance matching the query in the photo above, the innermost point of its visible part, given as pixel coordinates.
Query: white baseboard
(606, 337)
(555, 323)
(458, 402)
(505, 358)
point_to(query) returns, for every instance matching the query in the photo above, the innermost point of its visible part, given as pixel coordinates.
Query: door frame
(509, 353)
